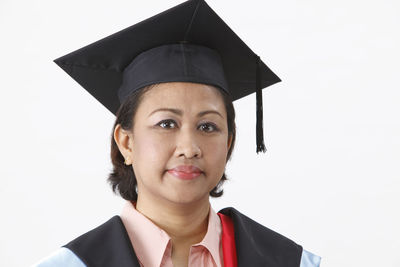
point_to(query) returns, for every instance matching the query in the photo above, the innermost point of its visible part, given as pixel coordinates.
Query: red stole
(228, 241)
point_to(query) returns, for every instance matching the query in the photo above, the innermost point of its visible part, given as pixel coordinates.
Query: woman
(171, 80)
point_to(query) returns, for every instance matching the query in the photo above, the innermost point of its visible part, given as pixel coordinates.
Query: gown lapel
(106, 245)
(258, 246)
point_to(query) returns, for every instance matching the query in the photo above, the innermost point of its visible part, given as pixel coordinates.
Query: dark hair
(122, 178)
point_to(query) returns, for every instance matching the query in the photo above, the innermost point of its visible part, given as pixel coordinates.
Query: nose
(187, 144)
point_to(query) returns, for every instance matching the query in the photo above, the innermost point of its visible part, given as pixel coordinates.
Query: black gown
(256, 245)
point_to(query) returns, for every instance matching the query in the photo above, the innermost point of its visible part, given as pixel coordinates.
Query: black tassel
(259, 124)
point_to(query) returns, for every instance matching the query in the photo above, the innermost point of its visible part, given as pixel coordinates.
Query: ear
(124, 141)
(230, 138)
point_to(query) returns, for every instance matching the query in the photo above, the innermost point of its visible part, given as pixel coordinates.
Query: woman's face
(179, 127)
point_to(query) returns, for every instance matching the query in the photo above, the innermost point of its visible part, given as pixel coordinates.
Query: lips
(185, 172)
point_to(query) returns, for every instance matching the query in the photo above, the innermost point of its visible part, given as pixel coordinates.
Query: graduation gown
(256, 246)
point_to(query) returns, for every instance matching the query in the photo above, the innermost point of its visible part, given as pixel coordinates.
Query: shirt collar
(212, 239)
(150, 242)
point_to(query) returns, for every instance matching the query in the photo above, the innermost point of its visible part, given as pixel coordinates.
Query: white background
(330, 177)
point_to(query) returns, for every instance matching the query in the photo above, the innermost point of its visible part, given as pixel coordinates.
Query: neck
(184, 223)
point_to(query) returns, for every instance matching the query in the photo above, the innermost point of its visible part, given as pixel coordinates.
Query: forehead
(186, 96)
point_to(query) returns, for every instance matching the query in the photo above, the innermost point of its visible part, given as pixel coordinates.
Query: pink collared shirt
(153, 247)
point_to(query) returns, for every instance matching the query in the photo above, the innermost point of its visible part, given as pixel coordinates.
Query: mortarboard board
(188, 42)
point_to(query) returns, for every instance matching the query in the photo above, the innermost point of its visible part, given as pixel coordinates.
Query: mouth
(185, 172)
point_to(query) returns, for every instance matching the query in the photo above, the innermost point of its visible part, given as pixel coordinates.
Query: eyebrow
(180, 112)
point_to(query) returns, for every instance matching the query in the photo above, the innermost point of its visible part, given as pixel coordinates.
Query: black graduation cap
(188, 42)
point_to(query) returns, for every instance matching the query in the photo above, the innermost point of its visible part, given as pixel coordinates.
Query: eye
(167, 124)
(208, 127)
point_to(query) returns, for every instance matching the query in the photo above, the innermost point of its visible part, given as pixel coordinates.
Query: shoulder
(105, 245)
(62, 257)
(112, 231)
(262, 246)
(309, 259)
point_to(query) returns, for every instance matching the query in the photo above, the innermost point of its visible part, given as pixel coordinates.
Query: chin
(186, 197)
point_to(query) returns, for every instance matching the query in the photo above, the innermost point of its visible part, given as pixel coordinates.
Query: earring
(127, 161)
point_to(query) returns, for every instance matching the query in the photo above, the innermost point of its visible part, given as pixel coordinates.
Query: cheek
(150, 150)
(215, 152)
